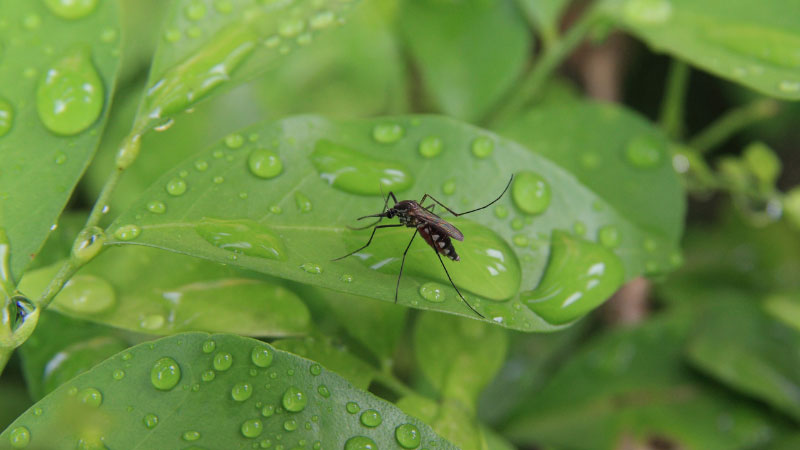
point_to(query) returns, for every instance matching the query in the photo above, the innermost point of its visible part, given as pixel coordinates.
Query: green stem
(732, 122)
(530, 86)
(674, 104)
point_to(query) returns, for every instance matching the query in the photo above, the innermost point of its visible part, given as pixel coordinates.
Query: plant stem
(674, 103)
(732, 122)
(530, 86)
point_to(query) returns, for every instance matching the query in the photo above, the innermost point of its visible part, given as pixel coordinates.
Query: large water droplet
(387, 133)
(71, 9)
(150, 421)
(190, 435)
(482, 147)
(6, 117)
(579, 276)
(165, 374)
(430, 146)
(88, 243)
(242, 237)
(261, 356)
(356, 173)
(264, 163)
(645, 151)
(127, 232)
(407, 435)
(647, 12)
(360, 443)
(86, 294)
(433, 292)
(241, 391)
(19, 437)
(70, 94)
(371, 418)
(91, 397)
(222, 361)
(531, 193)
(252, 428)
(294, 399)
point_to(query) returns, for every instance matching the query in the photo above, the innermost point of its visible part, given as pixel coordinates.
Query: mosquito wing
(436, 221)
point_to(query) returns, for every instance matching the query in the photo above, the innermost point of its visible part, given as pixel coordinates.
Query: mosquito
(436, 231)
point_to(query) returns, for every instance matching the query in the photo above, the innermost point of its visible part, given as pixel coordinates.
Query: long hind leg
(402, 263)
(456, 288)
(370, 240)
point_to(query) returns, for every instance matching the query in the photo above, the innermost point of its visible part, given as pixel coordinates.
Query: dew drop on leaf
(165, 374)
(241, 391)
(608, 236)
(346, 278)
(222, 361)
(60, 158)
(176, 187)
(190, 435)
(264, 163)
(88, 243)
(118, 374)
(90, 397)
(86, 294)
(647, 12)
(261, 356)
(291, 28)
(315, 369)
(152, 322)
(70, 94)
(19, 437)
(501, 212)
(127, 232)
(311, 268)
(356, 173)
(234, 141)
(321, 20)
(360, 443)
(432, 292)
(387, 133)
(31, 21)
(407, 435)
(294, 399)
(789, 87)
(531, 193)
(6, 117)
(252, 428)
(195, 10)
(302, 201)
(449, 187)
(208, 375)
(242, 236)
(482, 147)
(644, 152)
(223, 6)
(352, 407)
(430, 146)
(290, 425)
(156, 207)
(579, 228)
(371, 418)
(267, 410)
(323, 391)
(150, 421)
(71, 9)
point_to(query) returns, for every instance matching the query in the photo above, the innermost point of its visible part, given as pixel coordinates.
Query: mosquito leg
(402, 263)
(426, 196)
(370, 239)
(454, 286)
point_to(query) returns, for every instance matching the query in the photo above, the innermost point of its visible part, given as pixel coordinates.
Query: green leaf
(740, 345)
(58, 245)
(459, 357)
(62, 348)
(207, 49)
(631, 385)
(468, 53)
(546, 14)
(162, 394)
(226, 208)
(451, 420)
(151, 291)
(49, 60)
(754, 44)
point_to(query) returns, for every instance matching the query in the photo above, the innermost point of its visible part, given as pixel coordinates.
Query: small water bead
(352, 407)
(302, 201)
(321, 20)
(241, 391)
(315, 369)
(156, 207)
(70, 94)
(272, 41)
(264, 163)
(311, 268)
(127, 356)
(118, 374)
(304, 39)
(261, 356)
(201, 165)
(275, 209)
(219, 180)
(252, 428)
(291, 28)
(430, 146)
(501, 212)
(195, 10)
(37, 411)
(150, 421)
(580, 228)
(152, 322)
(371, 418)
(294, 399)
(433, 292)
(86, 294)
(190, 435)
(91, 397)
(449, 187)
(31, 21)
(360, 443)
(71, 9)
(165, 374)
(208, 375)
(346, 278)
(172, 35)
(19, 437)
(6, 117)
(290, 425)
(531, 193)
(387, 133)
(127, 232)
(253, 372)
(789, 87)
(647, 12)
(482, 147)
(520, 240)
(317, 445)
(517, 224)
(608, 236)
(222, 361)
(645, 152)
(323, 391)
(234, 141)
(267, 410)
(407, 435)
(176, 187)
(223, 6)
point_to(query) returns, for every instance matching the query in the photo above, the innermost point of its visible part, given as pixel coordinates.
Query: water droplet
(346, 278)
(579, 228)
(176, 187)
(19, 437)
(433, 292)
(356, 173)
(222, 361)
(150, 421)
(223, 6)
(108, 35)
(37, 411)
(31, 21)
(360, 443)
(387, 133)
(371, 418)
(252, 428)
(195, 10)
(242, 237)
(650, 245)
(482, 147)
(294, 399)
(241, 391)
(290, 425)
(430, 146)
(648, 12)
(127, 232)
(264, 163)
(156, 207)
(70, 94)
(152, 322)
(323, 391)
(127, 356)
(352, 407)
(302, 201)
(311, 268)
(315, 369)
(71, 9)
(91, 397)
(165, 374)
(644, 152)
(261, 356)
(190, 435)
(407, 435)
(6, 117)
(275, 209)
(789, 86)
(208, 375)
(449, 187)
(234, 141)
(218, 179)
(501, 212)
(531, 193)
(88, 243)
(579, 276)
(86, 294)
(608, 236)
(321, 20)
(291, 28)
